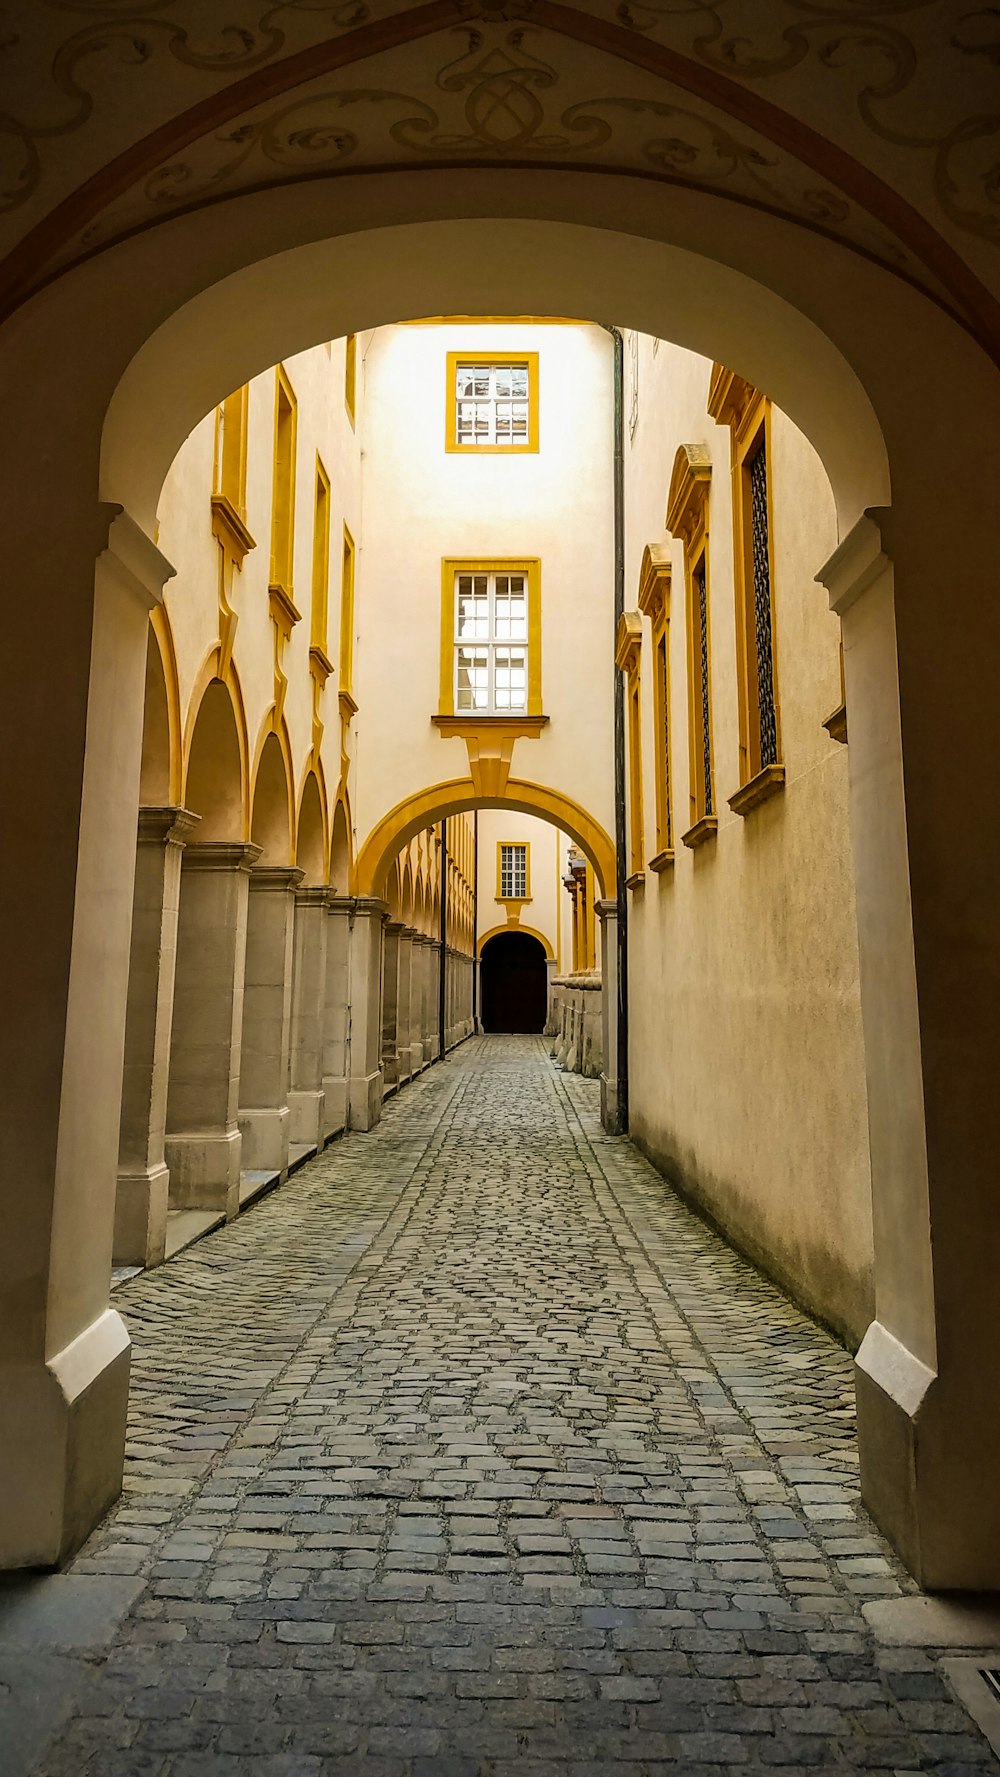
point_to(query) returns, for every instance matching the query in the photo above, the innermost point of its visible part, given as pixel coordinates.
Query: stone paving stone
(471, 1452)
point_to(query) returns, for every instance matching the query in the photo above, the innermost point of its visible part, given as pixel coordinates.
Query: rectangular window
(661, 714)
(512, 872)
(347, 615)
(283, 485)
(492, 403)
(759, 725)
(636, 836)
(231, 450)
(321, 558)
(702, 792)
(491, 643)
(351, 375)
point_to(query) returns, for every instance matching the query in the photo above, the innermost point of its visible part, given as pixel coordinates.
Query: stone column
(404, 990)
(551, 971)
(432, 1042)
(264, 1116)
(141, 1197)
(70, 769)
(203, 1144)
(390, 996)
(365, 1103)
(607, 913)
(305, 1099)
(927, 870)
(337, 1015)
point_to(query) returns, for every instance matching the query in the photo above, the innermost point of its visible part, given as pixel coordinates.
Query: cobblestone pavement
(472, 1452)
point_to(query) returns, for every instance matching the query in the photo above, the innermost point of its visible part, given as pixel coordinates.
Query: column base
(141, 1216)
(205, 1170)
(365, 1106)
(335, 1096)
(62, 1431)
(930, 1465)
(266, 1137)
(306, 1117)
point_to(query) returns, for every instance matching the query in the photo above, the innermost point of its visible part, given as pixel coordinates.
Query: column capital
(394, 927)
(313, 895)
(337, 903)
(132, 557)
(221, 854)
(606, 909)
(275, 878)
(160, 826)
(371, 907)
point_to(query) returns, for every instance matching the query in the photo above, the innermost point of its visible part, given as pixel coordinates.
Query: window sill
(836, 724)
(282, 607)
(702, 831)
(513, 900)
(766, 783)
(230, 527)
(320, 664)
(468, 727)
(637, 880)
(664, 860)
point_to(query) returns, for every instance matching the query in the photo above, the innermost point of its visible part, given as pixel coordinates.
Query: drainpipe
(475, 922)
(621, 868)
(442, 961)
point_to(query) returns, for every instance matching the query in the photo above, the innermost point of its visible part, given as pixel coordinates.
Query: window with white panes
(491, 643)
(513, 873)
(492, 404)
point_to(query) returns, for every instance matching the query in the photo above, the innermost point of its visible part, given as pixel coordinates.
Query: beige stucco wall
(422, 504)
(746, 1059)
(543, 914)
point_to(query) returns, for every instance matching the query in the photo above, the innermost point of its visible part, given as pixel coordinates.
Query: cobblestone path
(471, 1452)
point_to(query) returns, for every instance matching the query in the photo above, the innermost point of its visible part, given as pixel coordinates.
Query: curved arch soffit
(314, 772)
(505, 931)
(395, 829)
(283, 739)
(383, 274)
(209, 675)
(342, 870)
(160, 625)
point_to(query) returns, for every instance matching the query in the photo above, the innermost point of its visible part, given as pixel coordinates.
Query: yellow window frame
(513, 360)
(688, 520)
(519, 900)
(348, 575)
(283, 483)
(230, 476)
(531, 567)
(319, 614)
(351, 376)
(654, 602)
(627, 657)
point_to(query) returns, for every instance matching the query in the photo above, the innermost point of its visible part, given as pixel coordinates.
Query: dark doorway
(514, 983)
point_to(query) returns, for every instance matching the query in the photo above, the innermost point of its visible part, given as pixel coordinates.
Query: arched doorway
(513, 984)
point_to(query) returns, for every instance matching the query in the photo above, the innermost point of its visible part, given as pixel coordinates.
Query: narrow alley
(472, 1452)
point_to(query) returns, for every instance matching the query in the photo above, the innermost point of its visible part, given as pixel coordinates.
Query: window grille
(491, 648)
(701, 598)
(492, 404)
(513, 872)
(762, 608)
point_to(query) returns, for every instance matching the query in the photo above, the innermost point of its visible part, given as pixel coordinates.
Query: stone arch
(406, 893)
(215, 772)
(459, 794)
(157, 775)
(341, 859)
(271, 804)
(312, 851)
(498, 931)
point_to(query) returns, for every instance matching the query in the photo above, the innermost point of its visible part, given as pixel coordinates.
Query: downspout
(442, 961)
(475, 922)
(621, 868)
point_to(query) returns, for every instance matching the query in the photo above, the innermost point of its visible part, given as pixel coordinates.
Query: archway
(271, 813)
(513, 984)
(831, 334)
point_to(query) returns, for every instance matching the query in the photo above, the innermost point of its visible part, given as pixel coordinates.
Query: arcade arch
(169, 321)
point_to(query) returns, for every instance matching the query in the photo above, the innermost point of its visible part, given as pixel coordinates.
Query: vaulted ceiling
(876, 122)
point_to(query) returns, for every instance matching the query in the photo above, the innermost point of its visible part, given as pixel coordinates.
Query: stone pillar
(337, 1015)
(551, 971)
(305, 1099)
(607, 912)
(432, 1041)
(203, 1144)
(143, 1175)
(928, 1369)
(365, 1101)
(404, 991)
(264, 1116)
(70, 770)
(390, 997)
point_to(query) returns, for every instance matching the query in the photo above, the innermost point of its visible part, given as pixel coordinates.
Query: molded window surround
(347, 579)
(492, 402)
(654, 602)
(513, 870)
(688, 520)
(627, 654)
(491, 641)
(319, 618)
